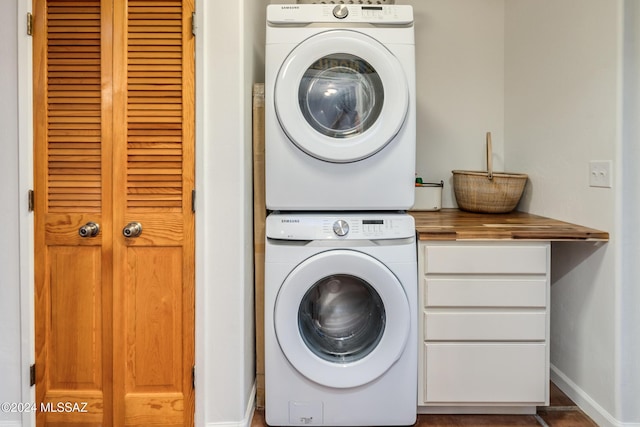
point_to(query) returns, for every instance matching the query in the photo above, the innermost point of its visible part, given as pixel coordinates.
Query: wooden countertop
(454, 224)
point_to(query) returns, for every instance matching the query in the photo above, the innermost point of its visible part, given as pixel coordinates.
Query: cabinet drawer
(485, 259)
(485, 373)
(484, 326)
(478, 292)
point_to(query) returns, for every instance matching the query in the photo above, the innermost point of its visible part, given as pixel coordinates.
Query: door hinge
(193, 201)
(193, 377)
(32, 375)
(29, 24)
(194, 27)
(31, 201)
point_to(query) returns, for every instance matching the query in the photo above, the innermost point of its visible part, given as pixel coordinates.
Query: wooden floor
(561, 412)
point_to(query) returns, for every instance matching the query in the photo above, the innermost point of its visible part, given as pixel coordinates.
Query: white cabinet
(484, 326)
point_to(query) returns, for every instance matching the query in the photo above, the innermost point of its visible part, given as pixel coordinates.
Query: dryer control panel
(289, 14)
(347, 226)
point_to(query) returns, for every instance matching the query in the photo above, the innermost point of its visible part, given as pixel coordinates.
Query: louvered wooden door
(114, 144)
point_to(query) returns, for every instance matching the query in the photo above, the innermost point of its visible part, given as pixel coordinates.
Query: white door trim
(25, 183)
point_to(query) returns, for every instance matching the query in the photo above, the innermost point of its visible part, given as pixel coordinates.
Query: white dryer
(340, 319)
(340, 107)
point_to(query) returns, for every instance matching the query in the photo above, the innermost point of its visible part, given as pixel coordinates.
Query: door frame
(26, 222)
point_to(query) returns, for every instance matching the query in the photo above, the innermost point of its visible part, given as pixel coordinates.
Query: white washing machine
(340, 107)
(340, 319)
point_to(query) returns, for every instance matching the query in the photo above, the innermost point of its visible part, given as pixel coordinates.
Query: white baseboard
(590, 407)
(248, 414)
(10, 424)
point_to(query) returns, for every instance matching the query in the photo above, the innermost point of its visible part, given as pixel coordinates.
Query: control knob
(341, 227)
(340, 11)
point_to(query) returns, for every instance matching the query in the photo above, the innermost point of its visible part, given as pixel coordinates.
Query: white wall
(229, 52)
(460, 90)
(562, 109)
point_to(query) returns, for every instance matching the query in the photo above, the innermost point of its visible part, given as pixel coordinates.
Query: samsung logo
(290, 221)
(289, 7)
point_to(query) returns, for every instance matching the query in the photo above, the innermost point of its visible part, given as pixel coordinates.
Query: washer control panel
(347, 226)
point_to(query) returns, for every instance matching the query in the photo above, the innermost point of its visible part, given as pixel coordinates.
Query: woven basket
(488, 192)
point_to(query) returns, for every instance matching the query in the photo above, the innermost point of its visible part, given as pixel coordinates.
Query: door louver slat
(154, 106)
(73, 106)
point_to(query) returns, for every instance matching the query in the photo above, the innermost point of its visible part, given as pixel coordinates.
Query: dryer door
(341, 96)
(342, 318)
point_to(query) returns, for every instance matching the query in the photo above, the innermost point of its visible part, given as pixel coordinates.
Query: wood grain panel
(88, 408)
(158, 229)
(168, 409)
(76, 351)
(62, 229)
(154, 314)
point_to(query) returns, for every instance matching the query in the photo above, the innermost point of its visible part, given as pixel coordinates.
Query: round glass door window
(341, 95)
(341, 318)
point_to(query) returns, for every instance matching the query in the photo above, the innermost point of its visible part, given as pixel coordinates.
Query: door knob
(90, 229)
(133, 229)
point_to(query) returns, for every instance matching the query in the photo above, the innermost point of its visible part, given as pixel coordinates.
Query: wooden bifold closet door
(113, 154)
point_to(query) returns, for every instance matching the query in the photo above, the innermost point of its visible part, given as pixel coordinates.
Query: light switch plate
(600, 173)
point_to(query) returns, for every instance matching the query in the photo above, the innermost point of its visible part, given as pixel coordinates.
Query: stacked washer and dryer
(341, 268)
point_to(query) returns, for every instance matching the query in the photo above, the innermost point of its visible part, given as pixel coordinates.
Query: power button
(340, 11)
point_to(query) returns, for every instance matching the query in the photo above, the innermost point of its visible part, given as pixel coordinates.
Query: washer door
(341, 96)
(342, 318)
